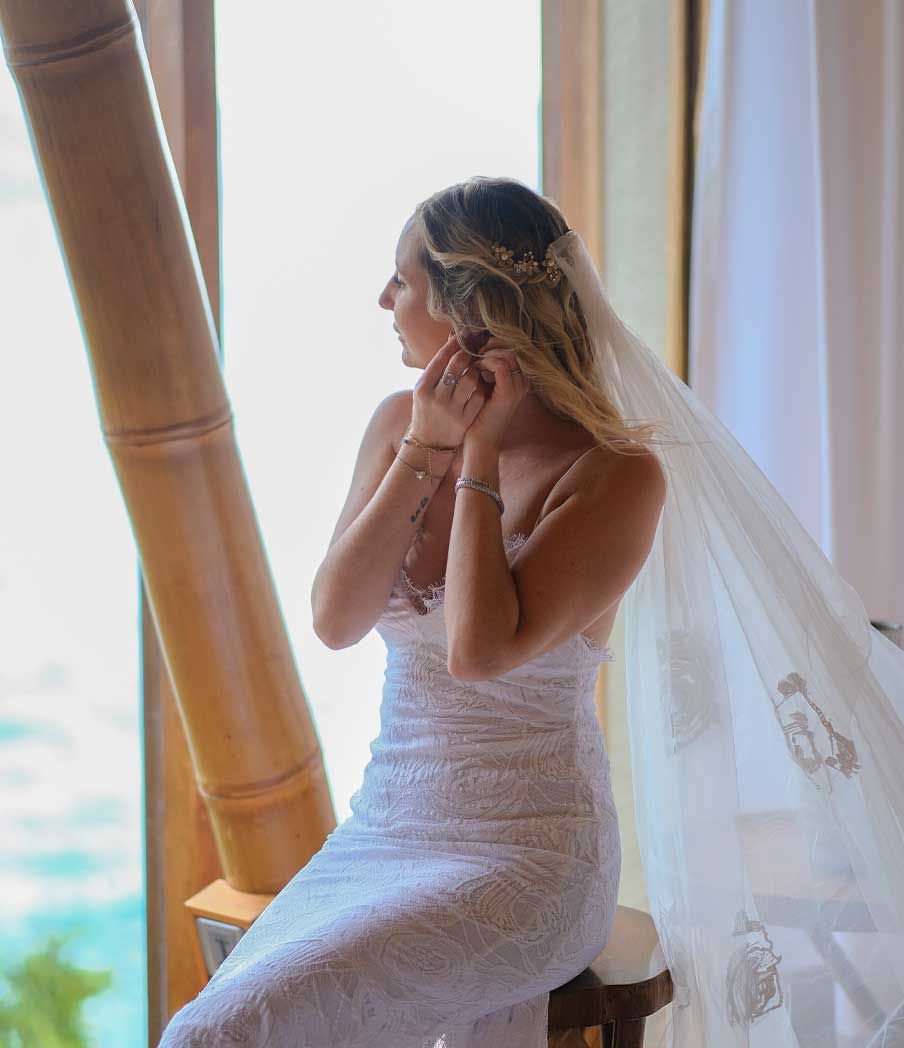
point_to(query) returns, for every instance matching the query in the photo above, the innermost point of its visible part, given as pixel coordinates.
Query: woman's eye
(396, 280)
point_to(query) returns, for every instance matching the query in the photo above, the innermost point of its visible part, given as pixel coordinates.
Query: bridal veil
(767, 741)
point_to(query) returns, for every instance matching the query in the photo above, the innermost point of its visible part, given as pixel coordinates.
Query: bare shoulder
(389, 421)
(641, 473)
(602, 472)
(638, 477)
(399, 406)
(376, 453)
(609, 483)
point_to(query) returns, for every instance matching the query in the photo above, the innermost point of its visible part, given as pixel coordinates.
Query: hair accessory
(527, 263)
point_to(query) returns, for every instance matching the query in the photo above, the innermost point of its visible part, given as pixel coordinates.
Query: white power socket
(217, 941)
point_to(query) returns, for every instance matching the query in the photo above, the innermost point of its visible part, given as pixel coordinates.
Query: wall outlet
(217, 940)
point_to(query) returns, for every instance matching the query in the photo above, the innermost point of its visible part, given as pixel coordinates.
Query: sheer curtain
(797, 322)
(797, 313)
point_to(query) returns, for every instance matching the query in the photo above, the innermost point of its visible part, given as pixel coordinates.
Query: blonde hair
(544, 325)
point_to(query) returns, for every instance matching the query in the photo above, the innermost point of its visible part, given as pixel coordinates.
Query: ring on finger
(450, 380)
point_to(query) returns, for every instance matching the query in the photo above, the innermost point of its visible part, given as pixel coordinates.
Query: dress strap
(542, 512)
(580, 458)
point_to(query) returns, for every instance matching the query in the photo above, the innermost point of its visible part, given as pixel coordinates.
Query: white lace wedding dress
(478, 871)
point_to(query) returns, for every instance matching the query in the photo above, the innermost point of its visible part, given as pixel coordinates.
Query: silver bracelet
(480, 485)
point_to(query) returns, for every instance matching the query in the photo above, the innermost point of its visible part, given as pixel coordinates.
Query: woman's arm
(578, 561)
(383, 510)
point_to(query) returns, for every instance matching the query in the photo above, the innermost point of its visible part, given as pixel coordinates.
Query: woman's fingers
(433, 372)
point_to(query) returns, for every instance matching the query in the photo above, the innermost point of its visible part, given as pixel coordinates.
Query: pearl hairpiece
(527, 263)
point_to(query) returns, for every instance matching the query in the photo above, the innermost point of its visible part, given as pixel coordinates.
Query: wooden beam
(181, 855)
(571, 148)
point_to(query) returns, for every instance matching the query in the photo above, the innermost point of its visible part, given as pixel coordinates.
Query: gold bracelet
(421, 474)
(408, 439)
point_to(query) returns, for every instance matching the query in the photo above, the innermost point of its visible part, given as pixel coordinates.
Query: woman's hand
(441, 413)
(506, 387)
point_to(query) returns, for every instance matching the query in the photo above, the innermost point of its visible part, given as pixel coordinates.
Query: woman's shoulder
(602, 473)
(399, 406)
(392, 416)
(634, 474)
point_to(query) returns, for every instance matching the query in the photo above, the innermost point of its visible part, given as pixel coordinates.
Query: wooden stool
(627, 982)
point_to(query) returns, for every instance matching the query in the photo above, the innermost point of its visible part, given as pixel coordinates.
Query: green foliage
(43, 1003)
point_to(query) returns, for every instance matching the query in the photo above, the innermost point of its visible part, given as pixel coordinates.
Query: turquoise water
(110, 936)
(71, 861)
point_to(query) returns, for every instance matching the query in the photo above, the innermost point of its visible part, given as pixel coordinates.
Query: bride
(546, 468)
(518, 412)
(496, 515)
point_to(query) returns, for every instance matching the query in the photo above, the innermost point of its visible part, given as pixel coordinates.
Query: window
(71, 861)
(331, 131)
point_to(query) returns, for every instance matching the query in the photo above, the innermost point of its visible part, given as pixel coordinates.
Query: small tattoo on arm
(417, 512)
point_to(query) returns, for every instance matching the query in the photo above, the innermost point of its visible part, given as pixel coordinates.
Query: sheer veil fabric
(767, 741)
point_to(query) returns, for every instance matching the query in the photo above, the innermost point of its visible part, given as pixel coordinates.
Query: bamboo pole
(126, 241)
(180, 850)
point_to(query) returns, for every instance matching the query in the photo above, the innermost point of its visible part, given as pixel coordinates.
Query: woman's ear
(476, 340)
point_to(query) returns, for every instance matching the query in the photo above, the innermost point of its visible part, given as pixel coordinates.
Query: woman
(480, 866)
(479, 869)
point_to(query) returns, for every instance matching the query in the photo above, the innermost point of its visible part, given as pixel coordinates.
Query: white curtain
(797, 312)
(797, 345)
